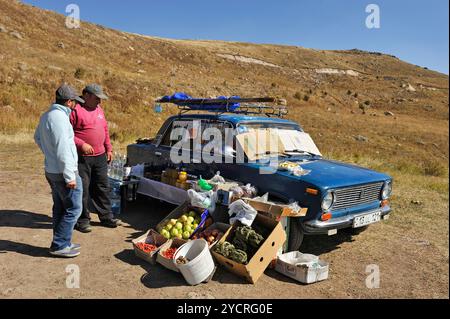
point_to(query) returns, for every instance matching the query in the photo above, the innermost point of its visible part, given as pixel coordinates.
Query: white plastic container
(305, 268)
(201, 264)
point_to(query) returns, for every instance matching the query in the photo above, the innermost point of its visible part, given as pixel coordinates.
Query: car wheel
(295, 235)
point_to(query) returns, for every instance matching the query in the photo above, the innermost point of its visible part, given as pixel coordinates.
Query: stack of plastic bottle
(116, 167)
(116, 174)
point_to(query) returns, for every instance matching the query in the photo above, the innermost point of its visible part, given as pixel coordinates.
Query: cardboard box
(256, 143)
(306, 272)
(275, 210)
(165, 262)
(168, 180)
(279, 212)
(150, 237)
(274, 239)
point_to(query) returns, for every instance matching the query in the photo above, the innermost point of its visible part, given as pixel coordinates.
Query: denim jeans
(67, 206)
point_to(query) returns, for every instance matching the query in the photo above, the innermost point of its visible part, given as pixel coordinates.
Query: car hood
(328, 174)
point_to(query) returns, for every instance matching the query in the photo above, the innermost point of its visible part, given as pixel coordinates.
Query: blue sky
(415, 31)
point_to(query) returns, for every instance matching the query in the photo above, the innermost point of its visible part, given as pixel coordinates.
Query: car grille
(358, 195)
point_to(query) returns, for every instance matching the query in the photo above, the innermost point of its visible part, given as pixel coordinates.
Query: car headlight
(386, 190)
(328, 201)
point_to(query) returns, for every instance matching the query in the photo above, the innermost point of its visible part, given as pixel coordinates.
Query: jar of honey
(182, 177)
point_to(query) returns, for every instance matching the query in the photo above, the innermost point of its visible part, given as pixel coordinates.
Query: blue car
(337, 195)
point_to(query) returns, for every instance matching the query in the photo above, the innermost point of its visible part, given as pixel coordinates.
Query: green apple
(194, 226)
(168, 227)
(179, 226)
(179, 236)
(192, 214)
(183, 218)
(174, 232)
(173, 222)
(190, 219)
(186, 235)
(165, 233)
(187, 228)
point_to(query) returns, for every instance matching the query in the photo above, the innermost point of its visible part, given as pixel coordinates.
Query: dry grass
(136, 69)
(411, 146)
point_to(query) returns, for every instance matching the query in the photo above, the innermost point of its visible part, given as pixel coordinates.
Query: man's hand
(71, 185)
(87, 149)
(109, 156)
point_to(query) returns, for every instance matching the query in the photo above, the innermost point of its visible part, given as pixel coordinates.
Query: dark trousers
(93, 171)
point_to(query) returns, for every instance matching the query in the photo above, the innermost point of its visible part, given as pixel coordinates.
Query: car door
(217, 145)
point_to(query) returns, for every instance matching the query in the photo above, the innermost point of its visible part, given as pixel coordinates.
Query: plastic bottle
(115, 199)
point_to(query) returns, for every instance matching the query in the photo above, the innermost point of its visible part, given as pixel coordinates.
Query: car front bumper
(323, 227)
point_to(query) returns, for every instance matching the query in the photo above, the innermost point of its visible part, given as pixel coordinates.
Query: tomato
(169, 253)
(146, 248)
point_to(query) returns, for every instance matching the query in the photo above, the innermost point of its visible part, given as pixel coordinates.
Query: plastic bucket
(201, 264)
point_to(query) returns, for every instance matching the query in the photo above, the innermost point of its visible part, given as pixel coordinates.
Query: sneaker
(66, 252)
(83, 228)
(75, 246)
(110, 223)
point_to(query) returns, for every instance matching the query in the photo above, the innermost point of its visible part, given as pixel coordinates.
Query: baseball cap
(66, 92)
(96, 90)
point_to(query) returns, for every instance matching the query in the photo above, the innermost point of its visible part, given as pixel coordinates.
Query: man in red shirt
(95, 152)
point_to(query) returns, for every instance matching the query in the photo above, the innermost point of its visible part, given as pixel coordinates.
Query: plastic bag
(217, 179)
(299, 171)
(137, 170)
(204, 185)
(249, 191)
(264, 198)
(295, 207)
(237, 191)
(203, 200)
(239, 210)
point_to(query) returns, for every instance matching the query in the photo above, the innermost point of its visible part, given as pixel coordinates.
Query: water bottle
(158, 108)
(115, 199)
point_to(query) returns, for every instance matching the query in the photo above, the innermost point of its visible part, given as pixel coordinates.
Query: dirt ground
(411, 264)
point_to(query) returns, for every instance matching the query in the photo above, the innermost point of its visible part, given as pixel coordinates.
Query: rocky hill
(354, 103)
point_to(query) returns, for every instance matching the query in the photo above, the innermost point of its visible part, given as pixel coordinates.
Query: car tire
(296, 235)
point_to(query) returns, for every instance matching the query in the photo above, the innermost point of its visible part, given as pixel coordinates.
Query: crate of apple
(210, 235)
(183, 227)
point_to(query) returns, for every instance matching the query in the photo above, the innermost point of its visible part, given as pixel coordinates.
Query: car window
(179, 127)
(246, 127)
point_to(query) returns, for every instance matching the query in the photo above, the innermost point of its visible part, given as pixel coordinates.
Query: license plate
(366, 219)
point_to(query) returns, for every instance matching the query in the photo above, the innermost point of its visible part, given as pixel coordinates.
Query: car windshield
(259, 140)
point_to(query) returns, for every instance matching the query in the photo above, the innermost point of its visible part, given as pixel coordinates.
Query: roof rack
(246, 106)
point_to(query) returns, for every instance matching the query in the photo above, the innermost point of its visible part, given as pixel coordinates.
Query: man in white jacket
(55, 137)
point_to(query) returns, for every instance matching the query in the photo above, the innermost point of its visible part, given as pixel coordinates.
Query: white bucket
(201, 264)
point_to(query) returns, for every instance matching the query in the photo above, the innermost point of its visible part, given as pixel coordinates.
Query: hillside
(335, 95)
(367, 108)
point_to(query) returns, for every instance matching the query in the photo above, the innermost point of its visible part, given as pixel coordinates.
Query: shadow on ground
(143, 214)
(24, 219)
(156, 276)
(321, 244)
(24, 249)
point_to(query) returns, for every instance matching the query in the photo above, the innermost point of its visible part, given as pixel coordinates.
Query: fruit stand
(216, 222)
